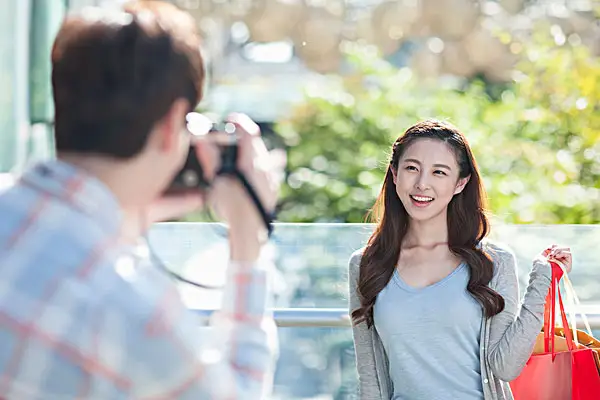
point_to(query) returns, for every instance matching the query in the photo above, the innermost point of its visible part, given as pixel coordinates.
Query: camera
(191, 176)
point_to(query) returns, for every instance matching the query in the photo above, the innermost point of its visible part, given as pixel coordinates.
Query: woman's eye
(438, 172)
(411, 168)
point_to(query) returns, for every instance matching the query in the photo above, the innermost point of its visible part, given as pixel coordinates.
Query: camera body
(191, 176)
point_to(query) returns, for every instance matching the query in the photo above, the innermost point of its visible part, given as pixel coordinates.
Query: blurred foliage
(537, 140)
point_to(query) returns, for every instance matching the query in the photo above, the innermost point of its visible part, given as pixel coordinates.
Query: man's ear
(169, 128)
(460, 185)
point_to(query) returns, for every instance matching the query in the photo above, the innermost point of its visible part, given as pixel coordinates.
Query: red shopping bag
(562, 375)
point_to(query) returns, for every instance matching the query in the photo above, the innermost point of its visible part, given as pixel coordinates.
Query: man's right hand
(228, 197)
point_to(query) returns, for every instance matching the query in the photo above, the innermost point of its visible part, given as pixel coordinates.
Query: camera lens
(229, 128)
(190, 178)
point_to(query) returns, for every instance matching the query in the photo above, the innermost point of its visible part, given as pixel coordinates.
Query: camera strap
(265, 216)
(231, 169)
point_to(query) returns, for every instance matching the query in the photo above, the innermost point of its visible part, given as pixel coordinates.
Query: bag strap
(547, 325)
(563, 315)
(549, 317)
(574, 303)
(550, 313)
(577, 304)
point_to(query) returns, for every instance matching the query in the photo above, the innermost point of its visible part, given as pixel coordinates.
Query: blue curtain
(46, 17)
(14, 71)
(27, 30)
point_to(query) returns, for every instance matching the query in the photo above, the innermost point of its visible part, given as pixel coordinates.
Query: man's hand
(136, 222)
(228, 197)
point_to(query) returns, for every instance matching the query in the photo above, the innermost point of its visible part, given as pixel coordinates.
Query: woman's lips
(421, 201)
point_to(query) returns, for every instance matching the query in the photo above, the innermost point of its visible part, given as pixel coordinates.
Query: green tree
(538, 143)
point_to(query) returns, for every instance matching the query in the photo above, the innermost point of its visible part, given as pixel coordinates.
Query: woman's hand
(561, 255)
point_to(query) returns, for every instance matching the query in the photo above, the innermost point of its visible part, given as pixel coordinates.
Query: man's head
(123, 81)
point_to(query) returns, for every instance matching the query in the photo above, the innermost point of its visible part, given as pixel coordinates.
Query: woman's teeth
(422, 198)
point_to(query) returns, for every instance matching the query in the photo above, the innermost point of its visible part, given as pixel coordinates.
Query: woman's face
(428, 178)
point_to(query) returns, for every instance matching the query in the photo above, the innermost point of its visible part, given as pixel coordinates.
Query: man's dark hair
(115, 73)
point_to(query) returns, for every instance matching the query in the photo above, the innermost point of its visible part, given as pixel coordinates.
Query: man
(82, 313)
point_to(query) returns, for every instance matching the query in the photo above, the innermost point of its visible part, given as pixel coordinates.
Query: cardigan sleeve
(363, 339)
(513, 331)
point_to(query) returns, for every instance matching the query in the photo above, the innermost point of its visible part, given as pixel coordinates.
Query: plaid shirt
(84, 317)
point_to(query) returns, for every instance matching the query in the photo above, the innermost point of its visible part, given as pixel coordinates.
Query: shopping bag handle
(550, 313)
(574, 302)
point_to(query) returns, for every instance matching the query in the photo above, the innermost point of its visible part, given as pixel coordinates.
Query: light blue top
(431, 336)
(506, 340)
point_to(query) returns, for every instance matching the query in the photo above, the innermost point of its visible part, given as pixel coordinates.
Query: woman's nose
(422, 183)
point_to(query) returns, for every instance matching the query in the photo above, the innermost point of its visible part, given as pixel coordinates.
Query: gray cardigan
(507, 339)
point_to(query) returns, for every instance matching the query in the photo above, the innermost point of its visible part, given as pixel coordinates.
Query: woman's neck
(430, 233)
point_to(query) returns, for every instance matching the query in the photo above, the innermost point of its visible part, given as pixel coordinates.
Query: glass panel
(318, 363)
(312, 259)
(315, 363)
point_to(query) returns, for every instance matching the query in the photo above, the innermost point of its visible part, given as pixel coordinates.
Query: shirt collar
(79, 189)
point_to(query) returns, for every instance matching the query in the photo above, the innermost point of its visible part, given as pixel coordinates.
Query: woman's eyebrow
(412, 160)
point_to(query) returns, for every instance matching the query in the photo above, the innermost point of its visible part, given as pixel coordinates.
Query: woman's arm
(363, 340)
(513, 332)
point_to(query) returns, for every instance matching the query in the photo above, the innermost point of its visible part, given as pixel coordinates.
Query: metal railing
(338, 317)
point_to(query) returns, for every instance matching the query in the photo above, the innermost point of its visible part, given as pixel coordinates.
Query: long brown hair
(467, 225)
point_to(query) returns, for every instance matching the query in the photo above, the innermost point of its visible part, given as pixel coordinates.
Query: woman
(435, 308)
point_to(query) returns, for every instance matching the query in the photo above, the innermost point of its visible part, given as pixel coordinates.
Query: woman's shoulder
(354, 261)
(353, 271)
(496, 248)
(357, 255)
(501, 254)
